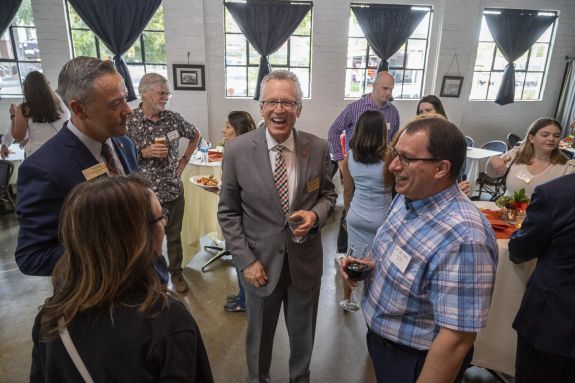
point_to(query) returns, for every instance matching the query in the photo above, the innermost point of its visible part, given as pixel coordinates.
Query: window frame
(16, 60)
(141, 39)
(391, 68)
(249, 65)
(525, 71)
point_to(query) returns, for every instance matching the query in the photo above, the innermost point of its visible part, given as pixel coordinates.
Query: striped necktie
(110, 163)
(280, 177)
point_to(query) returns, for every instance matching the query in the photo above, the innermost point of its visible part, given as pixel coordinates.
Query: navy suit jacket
(44, 180)
(547, 314)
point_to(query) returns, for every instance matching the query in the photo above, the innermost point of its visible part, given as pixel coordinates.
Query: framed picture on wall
(451, 86)
(189, 77)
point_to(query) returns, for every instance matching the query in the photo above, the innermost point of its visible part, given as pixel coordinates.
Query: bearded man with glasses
(434, 262)
(156, 132)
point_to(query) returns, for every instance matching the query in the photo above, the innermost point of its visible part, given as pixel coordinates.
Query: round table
(200, 215)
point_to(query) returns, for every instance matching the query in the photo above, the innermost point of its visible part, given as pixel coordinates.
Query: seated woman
(40, 116)
(108, 297)
(367, 183)
(431, 105)
(536, 161)
(238, 123)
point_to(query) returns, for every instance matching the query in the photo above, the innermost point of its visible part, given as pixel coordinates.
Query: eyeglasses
(405, 160)
(163, 218)
(286, 104)
(162, 94)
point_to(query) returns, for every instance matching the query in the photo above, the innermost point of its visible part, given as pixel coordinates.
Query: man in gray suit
(252, 215)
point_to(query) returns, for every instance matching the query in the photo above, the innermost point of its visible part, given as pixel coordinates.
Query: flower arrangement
(512, 206)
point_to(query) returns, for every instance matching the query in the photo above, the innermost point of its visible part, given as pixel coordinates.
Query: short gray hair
(77, 77)
(149, 80)
(283, 74)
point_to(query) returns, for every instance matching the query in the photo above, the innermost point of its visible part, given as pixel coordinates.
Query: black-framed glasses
(162, 218)
(286, 104)
(405, 160)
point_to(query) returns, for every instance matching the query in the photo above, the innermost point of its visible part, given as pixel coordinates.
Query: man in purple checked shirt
(377, 100)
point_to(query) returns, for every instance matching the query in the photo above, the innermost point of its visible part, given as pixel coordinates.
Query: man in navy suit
(545, 322)
(90, 145)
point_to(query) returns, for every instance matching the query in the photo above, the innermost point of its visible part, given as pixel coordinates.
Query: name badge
(388, 125)
(313, 185)
(174, 134)
(400, 259)
(525, 177)
(95, 171)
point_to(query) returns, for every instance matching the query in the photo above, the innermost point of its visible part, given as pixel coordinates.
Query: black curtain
(9, 9)
(267, 26)
(118, 24)
(386, 28)
(514, 32)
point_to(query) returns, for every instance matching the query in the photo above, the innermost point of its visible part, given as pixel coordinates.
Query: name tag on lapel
(313, 185)
(95, 171)
(400, 259)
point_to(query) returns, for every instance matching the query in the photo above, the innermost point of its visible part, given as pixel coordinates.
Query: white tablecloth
(200, 216)
(16, 157)
(474, 156)
(496, 344)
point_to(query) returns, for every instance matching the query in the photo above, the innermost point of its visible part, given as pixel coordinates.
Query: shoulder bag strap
(76, 359)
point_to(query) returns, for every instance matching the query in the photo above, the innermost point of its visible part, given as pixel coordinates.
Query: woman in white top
(40, 116)
(535, 162)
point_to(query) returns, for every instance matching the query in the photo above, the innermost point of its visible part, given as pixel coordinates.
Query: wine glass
(294, 220)
(357, 270)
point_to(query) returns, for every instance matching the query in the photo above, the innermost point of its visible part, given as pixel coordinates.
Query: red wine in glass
(357, 271)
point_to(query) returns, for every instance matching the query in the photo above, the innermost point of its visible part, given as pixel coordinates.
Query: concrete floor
(340, 353)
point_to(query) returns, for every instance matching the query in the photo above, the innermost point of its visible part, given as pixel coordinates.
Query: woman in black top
(122, 321)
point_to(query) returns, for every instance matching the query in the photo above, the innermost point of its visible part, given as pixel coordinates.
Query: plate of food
(206, 181)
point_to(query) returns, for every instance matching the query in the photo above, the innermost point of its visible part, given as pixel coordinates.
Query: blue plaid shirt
(450, 275)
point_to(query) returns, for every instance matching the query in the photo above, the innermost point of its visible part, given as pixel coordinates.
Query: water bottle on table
(204, 148)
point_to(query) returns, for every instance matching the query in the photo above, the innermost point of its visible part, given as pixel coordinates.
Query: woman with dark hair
(430, 104)
(535, 162)
(40, 116)
(238, 123)
(367, 182)
(108, 297)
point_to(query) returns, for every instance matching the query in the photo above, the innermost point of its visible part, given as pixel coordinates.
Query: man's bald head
(382, 88)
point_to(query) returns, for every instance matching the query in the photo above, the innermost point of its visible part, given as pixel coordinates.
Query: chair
(495, 145)
(495, 186)
(6, 169)
(470, 142)
(217, 252)
(512, 140)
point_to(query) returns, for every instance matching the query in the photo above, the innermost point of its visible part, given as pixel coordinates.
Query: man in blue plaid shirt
(434, 262)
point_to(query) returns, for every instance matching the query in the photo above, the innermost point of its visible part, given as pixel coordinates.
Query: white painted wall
(196, 26)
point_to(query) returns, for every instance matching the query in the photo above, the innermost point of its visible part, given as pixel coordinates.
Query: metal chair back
(6, 169)
(470, 142)
(495, 145)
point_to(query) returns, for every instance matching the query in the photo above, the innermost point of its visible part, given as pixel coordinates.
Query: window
(407, 65)
(529, 68)
(19, 52)
(147, 54)
(242, 60)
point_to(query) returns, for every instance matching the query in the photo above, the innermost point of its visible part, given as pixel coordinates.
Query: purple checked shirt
(348, 118)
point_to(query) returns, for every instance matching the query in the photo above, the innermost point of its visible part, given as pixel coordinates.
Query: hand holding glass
(295, 219)
(357, 269)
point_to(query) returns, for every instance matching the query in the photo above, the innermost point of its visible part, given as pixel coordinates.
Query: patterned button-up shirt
(348, 118)
(449, 275)
(160, 171)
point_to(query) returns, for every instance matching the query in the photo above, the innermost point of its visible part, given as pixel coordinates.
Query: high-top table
(496, 344)
(474, 155)
(16, 157)
(200, 214)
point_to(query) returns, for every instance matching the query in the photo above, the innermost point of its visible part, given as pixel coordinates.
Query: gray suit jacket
(250, 212)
